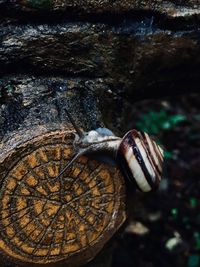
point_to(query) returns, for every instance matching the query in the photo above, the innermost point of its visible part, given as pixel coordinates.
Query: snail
(138, 156)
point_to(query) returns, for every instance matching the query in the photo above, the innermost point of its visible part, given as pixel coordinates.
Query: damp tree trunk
(87, 56)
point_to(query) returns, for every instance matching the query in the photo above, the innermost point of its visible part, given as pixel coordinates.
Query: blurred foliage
(40, 4)
(197, 117)
(194, 261)
(174, 213)
(174, 236)
(155, 122)
(197, 240)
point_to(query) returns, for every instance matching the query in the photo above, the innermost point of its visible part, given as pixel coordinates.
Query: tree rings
(47, 221)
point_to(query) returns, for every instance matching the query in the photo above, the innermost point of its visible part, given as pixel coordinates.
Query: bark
(26, 102)
(172, 8)
(139, 59)
(30, 105)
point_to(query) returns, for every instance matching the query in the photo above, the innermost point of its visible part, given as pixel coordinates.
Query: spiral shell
(140, 159)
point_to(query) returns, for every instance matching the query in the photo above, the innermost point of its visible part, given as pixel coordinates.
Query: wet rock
(171, 8)
(35, 101)
(138, 60)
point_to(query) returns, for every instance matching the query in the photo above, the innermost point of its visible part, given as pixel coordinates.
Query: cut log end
(48, 221)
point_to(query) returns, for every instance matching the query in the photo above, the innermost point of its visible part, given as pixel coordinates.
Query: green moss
(40, 4)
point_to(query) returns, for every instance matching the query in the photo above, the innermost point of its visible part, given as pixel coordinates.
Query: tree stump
(49, 221)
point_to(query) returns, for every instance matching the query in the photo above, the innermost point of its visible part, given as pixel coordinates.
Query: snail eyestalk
(79, 132)
(138, 156)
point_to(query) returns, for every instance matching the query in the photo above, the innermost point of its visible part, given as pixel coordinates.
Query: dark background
(169, 234)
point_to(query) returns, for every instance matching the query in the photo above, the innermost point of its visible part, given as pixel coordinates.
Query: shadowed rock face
(170, 8)
(139, 54)
(133, 56)
(28, 101)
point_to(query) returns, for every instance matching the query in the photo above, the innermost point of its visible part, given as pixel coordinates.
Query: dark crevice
(15, 69)
(13, 113)
(155, 90)
(9, 16)
(161, 89)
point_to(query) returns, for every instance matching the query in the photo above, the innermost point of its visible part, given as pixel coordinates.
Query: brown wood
(51, 221)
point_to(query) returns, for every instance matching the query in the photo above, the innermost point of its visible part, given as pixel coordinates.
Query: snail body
(138, 156)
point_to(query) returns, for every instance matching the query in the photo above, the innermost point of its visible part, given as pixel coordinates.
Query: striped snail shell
(140, 159)
(137, 155)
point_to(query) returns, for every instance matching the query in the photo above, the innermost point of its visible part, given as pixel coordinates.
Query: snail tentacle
(138, 156)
